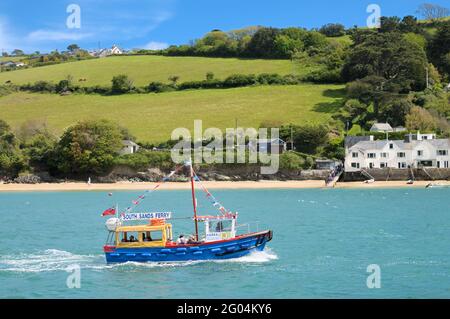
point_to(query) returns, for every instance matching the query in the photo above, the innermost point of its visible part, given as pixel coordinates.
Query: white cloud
(156, 45)
(48, 35)
(5, 41)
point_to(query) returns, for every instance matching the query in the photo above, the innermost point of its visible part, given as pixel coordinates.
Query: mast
(194, 201)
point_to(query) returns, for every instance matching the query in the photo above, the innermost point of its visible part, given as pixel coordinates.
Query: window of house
(355, 165)
(383, 165)
(442, 152)
(401, 165)
(371, 155)
(446, 164)
(371, 165)
(355, 155)
(401, 154)
(391, 146)
(420, 153)
(384, 155)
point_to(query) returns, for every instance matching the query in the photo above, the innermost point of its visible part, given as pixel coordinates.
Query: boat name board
(142, 216)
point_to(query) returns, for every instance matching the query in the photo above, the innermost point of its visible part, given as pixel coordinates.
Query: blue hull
(233, 248)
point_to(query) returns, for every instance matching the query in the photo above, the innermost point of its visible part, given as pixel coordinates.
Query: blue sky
(41, 25)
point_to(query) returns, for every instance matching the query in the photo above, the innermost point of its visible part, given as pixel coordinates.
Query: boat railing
(250, 227)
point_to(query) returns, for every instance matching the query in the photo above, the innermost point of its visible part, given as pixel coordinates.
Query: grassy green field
(11, 58)
(145, 69)
(152, 117)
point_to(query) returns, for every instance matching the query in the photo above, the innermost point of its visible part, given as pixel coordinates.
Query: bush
(333, 30)
(238, 80)
(291, 161)
(325, 76)
(121, 84)
(158, 87)
(145, 159)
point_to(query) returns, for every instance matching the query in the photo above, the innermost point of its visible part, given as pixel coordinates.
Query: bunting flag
(211, 197)
(140, 198)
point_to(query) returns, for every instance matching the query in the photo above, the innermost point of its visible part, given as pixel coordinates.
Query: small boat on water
(152, 241)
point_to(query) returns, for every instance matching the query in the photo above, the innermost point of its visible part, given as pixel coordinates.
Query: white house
(115, 50)
(129, 147)
(382, 127)
(416, 150)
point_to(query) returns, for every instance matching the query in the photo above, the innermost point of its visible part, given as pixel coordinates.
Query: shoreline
(307, 184)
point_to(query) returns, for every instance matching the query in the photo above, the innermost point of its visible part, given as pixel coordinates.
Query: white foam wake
(47, 260)
(60, 260)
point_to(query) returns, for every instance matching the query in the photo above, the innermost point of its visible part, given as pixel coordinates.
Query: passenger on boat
(182, 240)
(147, 238)
(132, 239)
(191, 240)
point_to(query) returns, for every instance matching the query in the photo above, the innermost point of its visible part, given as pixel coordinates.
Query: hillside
(145, 69)
(152, 117)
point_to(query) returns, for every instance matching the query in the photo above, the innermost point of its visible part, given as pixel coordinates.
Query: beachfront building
(415, 151)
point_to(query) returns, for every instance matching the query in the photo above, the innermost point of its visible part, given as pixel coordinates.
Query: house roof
(381, 127)
(129, 143)
(352, 140)
(380, 144)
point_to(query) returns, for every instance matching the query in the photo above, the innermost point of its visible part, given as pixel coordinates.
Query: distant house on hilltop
(115, 50)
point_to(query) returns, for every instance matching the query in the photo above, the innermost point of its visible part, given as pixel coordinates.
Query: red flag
(109, 211)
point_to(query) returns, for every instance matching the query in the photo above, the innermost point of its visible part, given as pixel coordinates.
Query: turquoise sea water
(323, 242)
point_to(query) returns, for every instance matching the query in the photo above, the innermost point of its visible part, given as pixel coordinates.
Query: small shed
(381, 127)
(266, 145)
(129, 147)
(327, 164)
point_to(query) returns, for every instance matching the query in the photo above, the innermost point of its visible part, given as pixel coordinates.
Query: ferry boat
(152, 241)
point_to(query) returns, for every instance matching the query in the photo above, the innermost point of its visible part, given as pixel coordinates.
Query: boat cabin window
(129, 237)
(151, 236)
(218, 226)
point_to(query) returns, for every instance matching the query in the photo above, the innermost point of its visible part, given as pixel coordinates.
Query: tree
(309, 138)
(73, 47)
(88, 147)
(209, 76)
(409, 24)
(440, 47)
(262, 44)
(18, 52)
(333, 30)
(389, 24)
(12, 160)
(121, 84)
(174, 79)
(430, 11)
(390, 56)
(395, 110)
(420, 119)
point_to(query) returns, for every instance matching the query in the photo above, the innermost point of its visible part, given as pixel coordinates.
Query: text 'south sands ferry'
(153, 240)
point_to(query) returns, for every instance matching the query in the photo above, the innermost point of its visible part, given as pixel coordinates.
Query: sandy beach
(73, 186)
